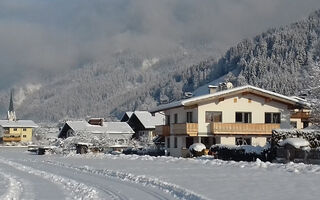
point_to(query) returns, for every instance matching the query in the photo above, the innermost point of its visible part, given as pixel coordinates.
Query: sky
(44, 38)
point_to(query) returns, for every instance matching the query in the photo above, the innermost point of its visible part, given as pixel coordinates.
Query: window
(175, 142)
(168, 142)
(235, 100)
(212, 116)
(15, 129)
(243, 117)
(272, 118)
(243, 141)
(293, 124)
(176, 118)
(305, 124)
(24, 129)
(189, 117)
(24, 136)
(167, 119)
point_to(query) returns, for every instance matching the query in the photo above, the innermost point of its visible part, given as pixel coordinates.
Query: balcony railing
(163, 130)
(190, 129)
(11, 139)
(243, 128)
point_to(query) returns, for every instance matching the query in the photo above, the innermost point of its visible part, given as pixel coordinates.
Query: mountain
(280, 59)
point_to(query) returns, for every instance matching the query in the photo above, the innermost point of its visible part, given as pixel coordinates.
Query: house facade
(17, 131)
(237, 116)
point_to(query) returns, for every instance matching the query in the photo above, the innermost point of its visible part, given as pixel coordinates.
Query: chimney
(212, 89)
(96, 121)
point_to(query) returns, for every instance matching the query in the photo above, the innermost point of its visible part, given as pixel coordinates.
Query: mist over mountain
(102, 58)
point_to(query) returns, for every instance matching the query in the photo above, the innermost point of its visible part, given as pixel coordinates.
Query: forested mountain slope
(280, 60)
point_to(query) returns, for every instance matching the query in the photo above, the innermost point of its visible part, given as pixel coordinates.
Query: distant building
(144, 123)
(96, 126)
(16, 130)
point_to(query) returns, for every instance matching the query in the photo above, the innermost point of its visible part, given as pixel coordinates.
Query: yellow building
(17, 131)
(14, 130)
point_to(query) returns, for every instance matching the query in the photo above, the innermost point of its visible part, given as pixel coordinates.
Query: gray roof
(108, 127)
(148, 120)
(18, 124)
(249, 88)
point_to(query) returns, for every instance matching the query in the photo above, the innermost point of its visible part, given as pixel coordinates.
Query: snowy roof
(118, 127)
(129, 113)
(149, 121)
(18, 124)
(247, 88)
(296, 142)
(108, 127)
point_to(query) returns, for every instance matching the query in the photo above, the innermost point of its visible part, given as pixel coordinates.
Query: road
(29, 176)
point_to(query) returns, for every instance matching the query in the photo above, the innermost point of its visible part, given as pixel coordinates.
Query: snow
(251, 88)
(296, 142)
(197, 147)
(18, 124)
(107, 176)
(149, 121)
(14, 189)
(108, 127)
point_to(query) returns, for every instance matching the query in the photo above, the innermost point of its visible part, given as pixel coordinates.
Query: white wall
(227, 140)
(228, 107)
(258, 141)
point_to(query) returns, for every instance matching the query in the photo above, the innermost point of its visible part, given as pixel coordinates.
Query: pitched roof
(126, 116)
(247, 88)
(108, 127)
(18, 124)
(149, 121)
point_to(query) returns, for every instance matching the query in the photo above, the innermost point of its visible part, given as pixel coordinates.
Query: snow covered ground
(98, 176)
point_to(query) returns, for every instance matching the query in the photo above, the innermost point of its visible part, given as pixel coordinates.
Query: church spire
(11, 112)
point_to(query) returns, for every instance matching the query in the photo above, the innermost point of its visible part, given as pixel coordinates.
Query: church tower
(11, 112)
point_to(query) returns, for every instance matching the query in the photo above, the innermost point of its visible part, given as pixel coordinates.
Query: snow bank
(198, 147)
(296, 142)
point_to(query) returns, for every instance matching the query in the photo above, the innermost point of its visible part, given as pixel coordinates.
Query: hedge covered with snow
(240, 153)
(312, 136)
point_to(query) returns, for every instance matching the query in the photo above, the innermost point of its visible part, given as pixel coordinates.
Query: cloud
(39, 39)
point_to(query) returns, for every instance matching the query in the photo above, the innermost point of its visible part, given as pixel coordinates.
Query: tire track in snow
(76, 190)
(110, 191)
(177, 191)
(14, 190)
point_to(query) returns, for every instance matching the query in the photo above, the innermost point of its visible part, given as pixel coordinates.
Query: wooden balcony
(243, 128)
(163, 130)
(11, 139)
(190, 129)
(300, 115)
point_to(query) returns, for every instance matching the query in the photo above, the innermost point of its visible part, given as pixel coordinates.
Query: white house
(242, 115)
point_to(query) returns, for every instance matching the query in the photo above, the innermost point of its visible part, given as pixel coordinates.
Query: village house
(14, 130)
(96, 126)
(237, 116)
(144, 123)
